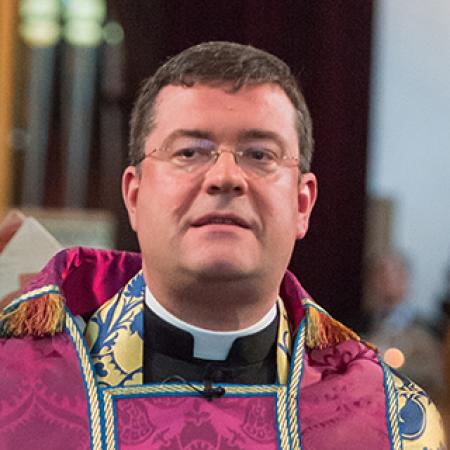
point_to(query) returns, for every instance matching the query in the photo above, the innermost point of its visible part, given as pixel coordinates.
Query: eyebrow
(181, 132)
(257, 133)
(252, 133)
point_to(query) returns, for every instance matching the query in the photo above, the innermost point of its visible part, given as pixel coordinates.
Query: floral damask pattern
(42, 399)
(342, 389)
(134, 425)
(190, 423)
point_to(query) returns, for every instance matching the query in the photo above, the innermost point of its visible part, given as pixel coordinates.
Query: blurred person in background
(405, 340)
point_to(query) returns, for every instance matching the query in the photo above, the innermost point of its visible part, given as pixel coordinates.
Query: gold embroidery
(423, 425)
(294, 387)
(284, 344)
(114, 337)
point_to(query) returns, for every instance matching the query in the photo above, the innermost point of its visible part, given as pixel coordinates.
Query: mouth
(221, 219)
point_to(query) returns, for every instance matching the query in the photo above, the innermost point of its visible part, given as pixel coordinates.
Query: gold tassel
(40, 316)
(323, 331)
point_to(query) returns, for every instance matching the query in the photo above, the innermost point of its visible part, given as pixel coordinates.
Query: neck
(211, 345)
(217, 306)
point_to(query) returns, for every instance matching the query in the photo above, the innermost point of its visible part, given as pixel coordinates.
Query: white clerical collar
(208, 344)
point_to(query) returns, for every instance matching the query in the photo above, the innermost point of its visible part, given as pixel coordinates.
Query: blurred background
(375, 76)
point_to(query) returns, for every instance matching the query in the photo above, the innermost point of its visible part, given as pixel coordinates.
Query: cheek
(151, 217)
(280, 213)
(163, 203)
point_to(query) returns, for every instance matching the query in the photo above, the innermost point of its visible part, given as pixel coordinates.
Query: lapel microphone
(209, 391)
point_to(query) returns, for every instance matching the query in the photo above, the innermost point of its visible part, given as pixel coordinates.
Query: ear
(307, 195)
(130, 190)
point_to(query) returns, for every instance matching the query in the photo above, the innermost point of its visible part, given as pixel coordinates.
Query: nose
(225, 176)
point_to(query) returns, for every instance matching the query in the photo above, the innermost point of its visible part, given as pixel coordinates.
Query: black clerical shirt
(168, 356)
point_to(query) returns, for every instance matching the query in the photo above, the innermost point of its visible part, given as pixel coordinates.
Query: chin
(221, 271)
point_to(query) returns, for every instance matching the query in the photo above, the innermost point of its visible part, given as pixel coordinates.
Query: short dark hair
(218, 63)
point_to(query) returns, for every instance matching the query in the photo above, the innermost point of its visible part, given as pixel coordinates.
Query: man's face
(220, 223)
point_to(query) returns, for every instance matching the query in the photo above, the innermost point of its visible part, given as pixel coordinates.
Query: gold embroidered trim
(392, 413)
(121, 359)
(294, 388)
(284, 344)
(169, 388)
(34, 293)
(109, 393)
(89, 377)
(109, 420)
(282, 418)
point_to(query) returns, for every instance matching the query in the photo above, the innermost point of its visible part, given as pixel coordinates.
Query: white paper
(27, 252)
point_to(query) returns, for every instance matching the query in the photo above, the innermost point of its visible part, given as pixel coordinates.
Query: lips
(221, 219)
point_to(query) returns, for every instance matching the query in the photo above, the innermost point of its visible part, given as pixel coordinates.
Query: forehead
(220, 111)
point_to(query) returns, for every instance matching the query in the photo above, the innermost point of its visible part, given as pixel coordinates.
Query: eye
(260, 154)
(189, 155)
(186, 153)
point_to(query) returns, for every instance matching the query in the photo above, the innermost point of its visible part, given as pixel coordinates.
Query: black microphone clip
(209, 391)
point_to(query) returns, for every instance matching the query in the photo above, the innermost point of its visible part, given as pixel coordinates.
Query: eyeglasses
(255, 159)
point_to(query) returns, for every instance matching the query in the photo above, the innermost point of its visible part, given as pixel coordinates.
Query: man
(211, 345)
